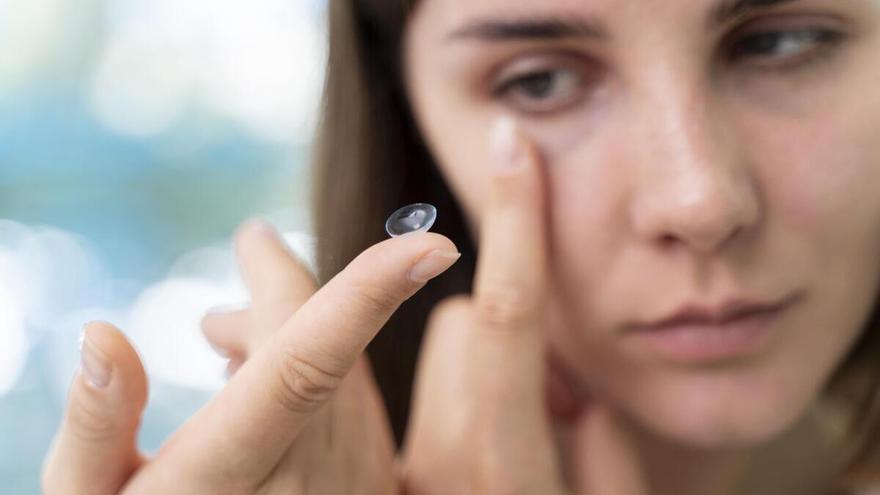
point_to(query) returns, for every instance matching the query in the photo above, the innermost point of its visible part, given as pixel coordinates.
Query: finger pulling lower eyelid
(507, 145)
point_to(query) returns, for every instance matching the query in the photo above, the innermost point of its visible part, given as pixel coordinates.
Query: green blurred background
(135, 135)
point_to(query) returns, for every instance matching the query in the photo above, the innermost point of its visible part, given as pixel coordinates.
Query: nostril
(668, 240)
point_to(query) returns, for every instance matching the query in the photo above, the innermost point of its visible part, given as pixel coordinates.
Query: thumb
(95, 450)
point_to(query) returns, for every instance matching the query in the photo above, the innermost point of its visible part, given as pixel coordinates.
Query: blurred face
(694, 154)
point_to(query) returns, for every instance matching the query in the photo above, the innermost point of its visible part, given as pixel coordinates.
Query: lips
(706, 314)
(700, 334)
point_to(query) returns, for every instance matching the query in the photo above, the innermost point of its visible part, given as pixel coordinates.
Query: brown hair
(370, 159)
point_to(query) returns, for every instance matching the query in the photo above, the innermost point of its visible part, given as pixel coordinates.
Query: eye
(785, 48)
(540, 91)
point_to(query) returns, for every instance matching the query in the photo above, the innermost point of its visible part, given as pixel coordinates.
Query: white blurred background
(135, 135)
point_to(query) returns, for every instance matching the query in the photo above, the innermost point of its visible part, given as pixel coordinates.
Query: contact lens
(418, 217)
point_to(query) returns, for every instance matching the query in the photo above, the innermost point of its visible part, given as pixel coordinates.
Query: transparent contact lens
(418, 217)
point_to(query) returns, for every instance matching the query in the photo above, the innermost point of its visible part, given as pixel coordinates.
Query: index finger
(511, 284)
(480, 380)
(249, 426)
(512, 267)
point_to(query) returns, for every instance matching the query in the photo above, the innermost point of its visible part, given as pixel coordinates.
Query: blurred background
(135, 135)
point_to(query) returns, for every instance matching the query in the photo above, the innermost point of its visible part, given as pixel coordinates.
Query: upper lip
(696, 313)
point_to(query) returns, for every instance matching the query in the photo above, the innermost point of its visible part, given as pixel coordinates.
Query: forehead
(452, 9)
(443, 20)
(441, 17)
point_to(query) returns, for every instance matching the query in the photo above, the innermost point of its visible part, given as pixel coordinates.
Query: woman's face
(691, 156)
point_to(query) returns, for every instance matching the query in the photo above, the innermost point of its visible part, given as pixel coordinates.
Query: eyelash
(825, 41)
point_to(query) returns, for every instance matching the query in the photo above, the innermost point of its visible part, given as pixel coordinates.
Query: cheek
(820, 181)
(590, 243)
(823, 178)
(588, 257)
(820, 230)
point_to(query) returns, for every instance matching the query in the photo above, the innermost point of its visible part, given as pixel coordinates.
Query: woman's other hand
(481, 421)
(301, 414)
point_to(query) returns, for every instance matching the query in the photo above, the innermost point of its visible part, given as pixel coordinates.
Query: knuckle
(503, 305)
(372, 300)
(304, 386)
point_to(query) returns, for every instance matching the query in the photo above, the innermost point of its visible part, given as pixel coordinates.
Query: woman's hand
(481, 420)
(491, 414)
(301, 415)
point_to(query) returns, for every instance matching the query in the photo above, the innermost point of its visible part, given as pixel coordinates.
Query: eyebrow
(728, 10)
(530, 28)
(574, 27)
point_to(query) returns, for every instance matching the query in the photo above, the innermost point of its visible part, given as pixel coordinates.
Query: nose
(694, 187)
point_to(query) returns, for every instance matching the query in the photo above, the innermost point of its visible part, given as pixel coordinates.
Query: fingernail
(432, 264)
(227, 308)
(508, 152)
(95, 366)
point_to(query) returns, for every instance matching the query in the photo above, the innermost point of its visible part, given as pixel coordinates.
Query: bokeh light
(260, 65)
(135, 135)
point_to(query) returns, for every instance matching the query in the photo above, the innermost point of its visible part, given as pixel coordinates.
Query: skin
(266, 432)
(746, 204)
(714, 174)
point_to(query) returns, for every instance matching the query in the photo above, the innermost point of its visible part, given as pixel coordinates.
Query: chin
(716, 410)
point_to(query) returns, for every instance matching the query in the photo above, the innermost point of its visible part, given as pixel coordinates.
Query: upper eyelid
(539, 63)
(551, 54)
(837, 35)
(791, 32)
(787, 23)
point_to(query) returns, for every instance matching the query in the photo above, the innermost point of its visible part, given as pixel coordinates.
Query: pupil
(762, 43)
(538, 85)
